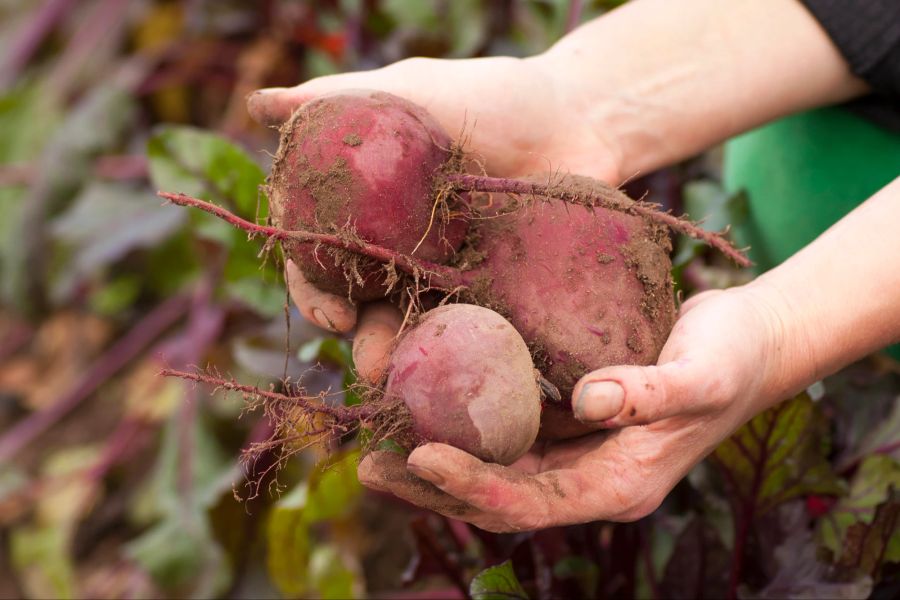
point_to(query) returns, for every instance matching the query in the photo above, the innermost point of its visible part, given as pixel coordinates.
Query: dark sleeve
(867, 33)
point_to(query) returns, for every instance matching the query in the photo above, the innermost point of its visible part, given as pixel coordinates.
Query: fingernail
(599, 401)
(426, 474)
(267, 91)
(322, 319)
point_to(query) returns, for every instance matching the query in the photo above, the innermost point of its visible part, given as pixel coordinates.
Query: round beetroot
(586, 288)
(362, 164)
(468, 380)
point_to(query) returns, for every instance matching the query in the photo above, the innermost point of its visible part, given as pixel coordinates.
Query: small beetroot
(467, 378)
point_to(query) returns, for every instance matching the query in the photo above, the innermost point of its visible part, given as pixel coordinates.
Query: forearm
(662, 80)
(839, 298)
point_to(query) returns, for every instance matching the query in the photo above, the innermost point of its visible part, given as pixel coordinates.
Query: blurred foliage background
(117, 483)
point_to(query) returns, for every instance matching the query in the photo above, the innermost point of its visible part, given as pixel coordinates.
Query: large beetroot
(586, 288)
(363, 165)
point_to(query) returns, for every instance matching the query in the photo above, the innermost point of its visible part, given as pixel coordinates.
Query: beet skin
(364, 165)
(468, 380)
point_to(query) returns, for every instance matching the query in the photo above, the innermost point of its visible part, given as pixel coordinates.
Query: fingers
(273, 106)
(504, 499)
(387, 472)
(379, 323)
(328, 311)
(629, 395)
(697, 299)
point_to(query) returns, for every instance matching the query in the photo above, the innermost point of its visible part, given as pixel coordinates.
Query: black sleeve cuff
(867, 32)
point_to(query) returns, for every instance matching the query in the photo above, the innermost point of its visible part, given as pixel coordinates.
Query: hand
(513, 115)
(723, 363)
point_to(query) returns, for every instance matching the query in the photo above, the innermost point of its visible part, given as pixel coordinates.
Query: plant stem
(437, 275)
(125, 350)
(612, 201)
(31, 36)
(341, 414)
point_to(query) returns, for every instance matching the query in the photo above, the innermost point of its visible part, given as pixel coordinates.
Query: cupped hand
(515, 115)
(724, 362)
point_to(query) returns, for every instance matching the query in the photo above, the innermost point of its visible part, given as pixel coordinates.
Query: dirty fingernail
(266, 91)
(599, 401)
(373, 483)
(426, 474)
(322, 319)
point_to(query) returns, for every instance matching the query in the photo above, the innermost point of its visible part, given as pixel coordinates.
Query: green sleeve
(802, 174)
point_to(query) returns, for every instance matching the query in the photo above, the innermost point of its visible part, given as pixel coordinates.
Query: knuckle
(642, 507)
(719, 393)
(414, 63)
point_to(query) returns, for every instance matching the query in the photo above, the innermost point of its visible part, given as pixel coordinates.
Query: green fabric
(803, 173)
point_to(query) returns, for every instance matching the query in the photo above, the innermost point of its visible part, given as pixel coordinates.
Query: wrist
(789, 363)
(576, 114)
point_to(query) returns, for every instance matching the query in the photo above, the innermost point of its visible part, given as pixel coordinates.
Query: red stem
(437, 275)
(341, 414)
(32, 36)
(125, 350)
(480, 183)
(14, 338)
(573, 17)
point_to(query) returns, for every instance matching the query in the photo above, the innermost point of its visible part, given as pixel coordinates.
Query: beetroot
(586, 288)
(366, 187)
(363, 165)
(468, 380)
(461, 376)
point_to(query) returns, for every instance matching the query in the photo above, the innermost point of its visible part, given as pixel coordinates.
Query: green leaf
(707, 201)
(779, 455)
(868, 545)
(497, 583)
(192, 473)
(181, 554)
(106, 221)
(411, 13)
(94, 126)
(331, 350)
(334, 489)
(864, 408)
(799, 572)
(115, 296)
(468, 26)
(41, 556)
(208, 166)
(869, 489)
(331, 494)
(265, 298)
(334, 575)
(582, 570)
(42, 550)
(289, 544)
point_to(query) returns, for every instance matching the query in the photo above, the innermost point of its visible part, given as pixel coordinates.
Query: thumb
(274, 106)
(630, 395)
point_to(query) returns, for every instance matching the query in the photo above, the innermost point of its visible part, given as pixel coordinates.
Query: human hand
(514, 116)
(724, 362)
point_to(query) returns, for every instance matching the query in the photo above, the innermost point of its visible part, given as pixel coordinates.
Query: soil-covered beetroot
(468, 380)
(363, 165)
(586, 288)
(366, 185)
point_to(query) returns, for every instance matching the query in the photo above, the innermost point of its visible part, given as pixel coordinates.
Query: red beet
(364, 165)
(586, 289)
(468, 380)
